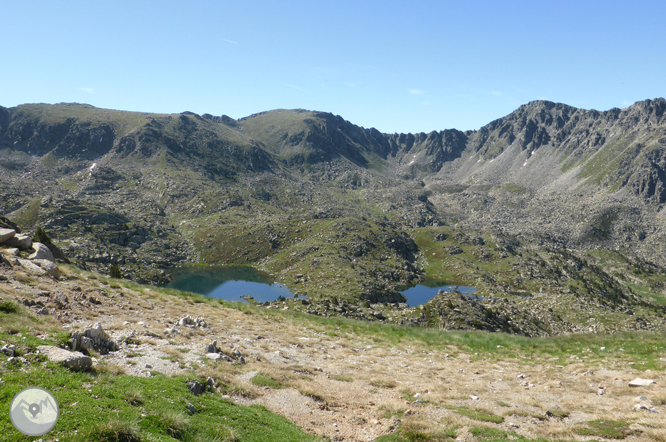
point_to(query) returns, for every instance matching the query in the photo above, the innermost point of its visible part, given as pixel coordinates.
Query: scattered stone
(418, 401)
(152, 334)
(149, 366)
(73, 360)
(474, 398)
(190, 321)
(214, 356)
(638, 382)
(601, 391)
(191, 408)
(602, 348)
(42, 252)
(195, 387)
(93, 338)
(210, 383)
(8, 349)
(6, 234)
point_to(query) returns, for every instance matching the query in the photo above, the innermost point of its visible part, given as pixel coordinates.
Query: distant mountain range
(152, 191)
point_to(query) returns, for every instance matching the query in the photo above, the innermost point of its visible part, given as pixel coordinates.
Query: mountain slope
(349, 215)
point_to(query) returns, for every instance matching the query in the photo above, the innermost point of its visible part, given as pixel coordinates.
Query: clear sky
(399, 66)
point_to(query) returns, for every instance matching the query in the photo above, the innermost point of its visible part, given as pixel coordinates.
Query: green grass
(28, 215)
(383, 383)
(477, 414)
(342, 378)
(605, 428)
(264, 380)
(127, 408)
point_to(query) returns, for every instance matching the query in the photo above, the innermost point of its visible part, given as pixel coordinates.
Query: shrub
(42, 237)
(114, 271)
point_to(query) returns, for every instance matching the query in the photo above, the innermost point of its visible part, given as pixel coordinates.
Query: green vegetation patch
(264, 380)
(107, 407)
(606, 428)
(478, 414)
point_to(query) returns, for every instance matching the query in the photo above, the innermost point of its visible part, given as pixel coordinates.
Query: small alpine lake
(428, 289)
(233, 283)
(229, 283)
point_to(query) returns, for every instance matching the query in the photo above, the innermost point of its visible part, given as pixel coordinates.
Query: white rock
(214, 356)
(72, 360)
(5, 234)
(474, 398)
(12, 252)
(41, 252)
(638, 382)
(50, 267)
(20, 240)
(31, 267)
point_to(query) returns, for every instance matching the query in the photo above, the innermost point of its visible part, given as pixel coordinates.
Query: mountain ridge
(345, 214)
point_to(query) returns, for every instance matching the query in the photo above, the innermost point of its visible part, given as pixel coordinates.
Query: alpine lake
(236, 283)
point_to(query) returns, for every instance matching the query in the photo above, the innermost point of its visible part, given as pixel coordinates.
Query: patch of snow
(525, 163)
(410, 162)
(93, 166)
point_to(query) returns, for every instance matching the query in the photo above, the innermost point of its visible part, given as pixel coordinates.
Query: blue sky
(398, 66)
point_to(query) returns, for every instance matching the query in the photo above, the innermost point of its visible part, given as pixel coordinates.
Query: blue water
(422, 293)
(229, 283)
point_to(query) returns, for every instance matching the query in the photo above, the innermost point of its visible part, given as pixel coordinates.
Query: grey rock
(21, 241)
(193, 322)
(191, 408)
(195, 387)
(12, 252)
(210, 383)
(212, 348)
(214, 356)
(93, 338)
(6, 234)
(31, 267)
(9, 350)
(42, 252)
(50, 267)
(73, 360)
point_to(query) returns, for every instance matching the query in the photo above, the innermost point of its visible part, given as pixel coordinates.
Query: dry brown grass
(22, 277)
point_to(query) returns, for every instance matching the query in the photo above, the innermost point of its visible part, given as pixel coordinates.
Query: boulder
(31, 267)
(42, 252)
(214, 356)
(21, 241)
(12, 252)
(93, 338)
(50, 267)
(212, 348)
(6, 234)
(195, 387)
(73, 360)
(638, 382)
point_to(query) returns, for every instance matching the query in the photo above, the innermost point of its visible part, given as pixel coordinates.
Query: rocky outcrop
(6, 234)
(94, 338)
(73, 360)
(20, 241)
(42, 252)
